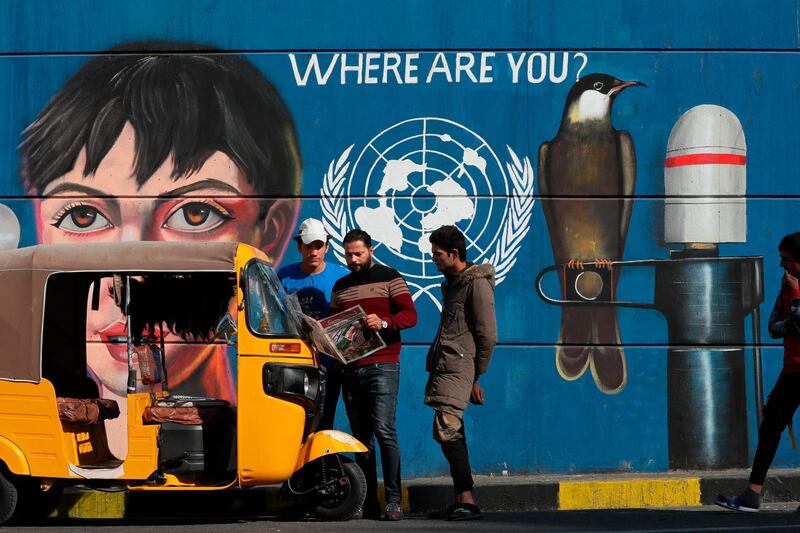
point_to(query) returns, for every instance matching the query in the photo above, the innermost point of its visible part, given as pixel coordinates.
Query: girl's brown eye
(196, 214)
(83, 216)
(82, 219)
(195, 217)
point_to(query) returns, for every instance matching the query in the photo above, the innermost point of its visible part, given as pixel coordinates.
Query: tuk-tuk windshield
(267, 313)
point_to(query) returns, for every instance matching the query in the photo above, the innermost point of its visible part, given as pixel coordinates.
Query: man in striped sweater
(370, 385)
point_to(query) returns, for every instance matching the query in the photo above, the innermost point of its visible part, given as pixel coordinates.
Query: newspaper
(352, 339)
(342, 336)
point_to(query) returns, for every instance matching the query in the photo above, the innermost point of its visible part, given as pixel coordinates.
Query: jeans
(370, 397)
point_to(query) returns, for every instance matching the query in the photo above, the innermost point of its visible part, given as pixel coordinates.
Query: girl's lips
(118, 348)
(115, 337)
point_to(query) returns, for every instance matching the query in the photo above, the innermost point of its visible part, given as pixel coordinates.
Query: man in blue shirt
(312, 280)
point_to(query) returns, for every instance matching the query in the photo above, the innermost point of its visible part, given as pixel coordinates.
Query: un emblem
(418, 175)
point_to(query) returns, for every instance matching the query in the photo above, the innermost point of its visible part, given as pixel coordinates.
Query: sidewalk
(603, 490)
(494, 493)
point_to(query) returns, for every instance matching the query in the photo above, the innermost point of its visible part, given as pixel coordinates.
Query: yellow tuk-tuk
(61, 423)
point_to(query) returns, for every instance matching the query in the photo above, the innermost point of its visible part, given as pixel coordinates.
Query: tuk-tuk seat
(189, 411)
(86, 411)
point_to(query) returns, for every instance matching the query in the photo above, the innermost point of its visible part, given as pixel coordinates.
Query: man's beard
(363, 267)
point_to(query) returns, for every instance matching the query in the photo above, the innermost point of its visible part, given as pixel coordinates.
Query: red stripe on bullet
(705, 159)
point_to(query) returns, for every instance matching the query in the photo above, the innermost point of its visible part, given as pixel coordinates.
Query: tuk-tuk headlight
(301, 384)
(291, 380)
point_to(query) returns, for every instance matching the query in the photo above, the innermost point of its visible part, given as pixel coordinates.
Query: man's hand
(477, 397)
(790, 281)
(372, 322)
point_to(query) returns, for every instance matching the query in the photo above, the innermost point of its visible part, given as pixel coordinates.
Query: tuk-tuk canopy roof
(123, 256)
(24, 273)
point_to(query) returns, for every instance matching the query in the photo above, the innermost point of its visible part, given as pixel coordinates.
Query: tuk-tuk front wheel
(8, 498)
(347, 498)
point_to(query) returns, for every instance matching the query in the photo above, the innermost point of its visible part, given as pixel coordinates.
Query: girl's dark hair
(791, 243)
(184, 100)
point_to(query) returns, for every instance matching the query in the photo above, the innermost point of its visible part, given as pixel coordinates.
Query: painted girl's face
(210, 204)
(108, 205)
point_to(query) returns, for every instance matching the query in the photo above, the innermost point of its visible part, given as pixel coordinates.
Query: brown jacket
(465, 340)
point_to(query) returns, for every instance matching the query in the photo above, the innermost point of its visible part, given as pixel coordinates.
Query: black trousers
(455, 451)
(333, 386)
(778, 412)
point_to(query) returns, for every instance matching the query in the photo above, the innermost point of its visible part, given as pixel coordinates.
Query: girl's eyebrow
(202, 184)
(67, 189)
(77, 188)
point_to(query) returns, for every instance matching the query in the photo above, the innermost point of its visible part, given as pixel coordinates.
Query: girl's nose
(138, 220)
(132, 232)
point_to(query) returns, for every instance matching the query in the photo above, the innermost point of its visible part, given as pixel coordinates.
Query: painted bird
(595, 165)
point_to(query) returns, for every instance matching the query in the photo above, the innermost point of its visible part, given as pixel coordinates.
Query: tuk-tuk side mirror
(226, 329)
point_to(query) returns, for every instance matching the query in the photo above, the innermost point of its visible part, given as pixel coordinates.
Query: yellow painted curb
(91, 504)
(633, 493)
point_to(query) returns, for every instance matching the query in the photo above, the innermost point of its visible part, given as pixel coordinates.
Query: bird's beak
(624, 85)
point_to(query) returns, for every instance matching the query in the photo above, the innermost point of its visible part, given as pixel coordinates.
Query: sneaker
(393, 513)
(465, 511)
(748, 501)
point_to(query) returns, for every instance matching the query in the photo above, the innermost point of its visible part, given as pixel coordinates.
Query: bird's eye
(598, 86)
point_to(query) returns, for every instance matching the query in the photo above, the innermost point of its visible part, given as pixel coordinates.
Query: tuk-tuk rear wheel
(34, 502)
(8, 498)
(345, 503)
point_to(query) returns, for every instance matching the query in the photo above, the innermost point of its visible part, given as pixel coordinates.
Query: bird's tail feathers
(606, 354)
(572, 352)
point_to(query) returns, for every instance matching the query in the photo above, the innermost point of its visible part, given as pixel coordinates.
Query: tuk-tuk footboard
(196, 439)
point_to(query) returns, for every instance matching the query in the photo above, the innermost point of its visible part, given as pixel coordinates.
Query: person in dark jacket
(459, 354)
(784, 322)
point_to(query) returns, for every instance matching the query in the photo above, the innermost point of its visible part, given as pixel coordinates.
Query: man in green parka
(459, 354)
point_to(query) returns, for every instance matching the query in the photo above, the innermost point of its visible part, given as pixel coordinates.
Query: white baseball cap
(312, 230)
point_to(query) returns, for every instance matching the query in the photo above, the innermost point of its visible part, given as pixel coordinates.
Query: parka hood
(471, 273)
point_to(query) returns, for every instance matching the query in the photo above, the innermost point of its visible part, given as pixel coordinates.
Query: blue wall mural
(628, 169)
